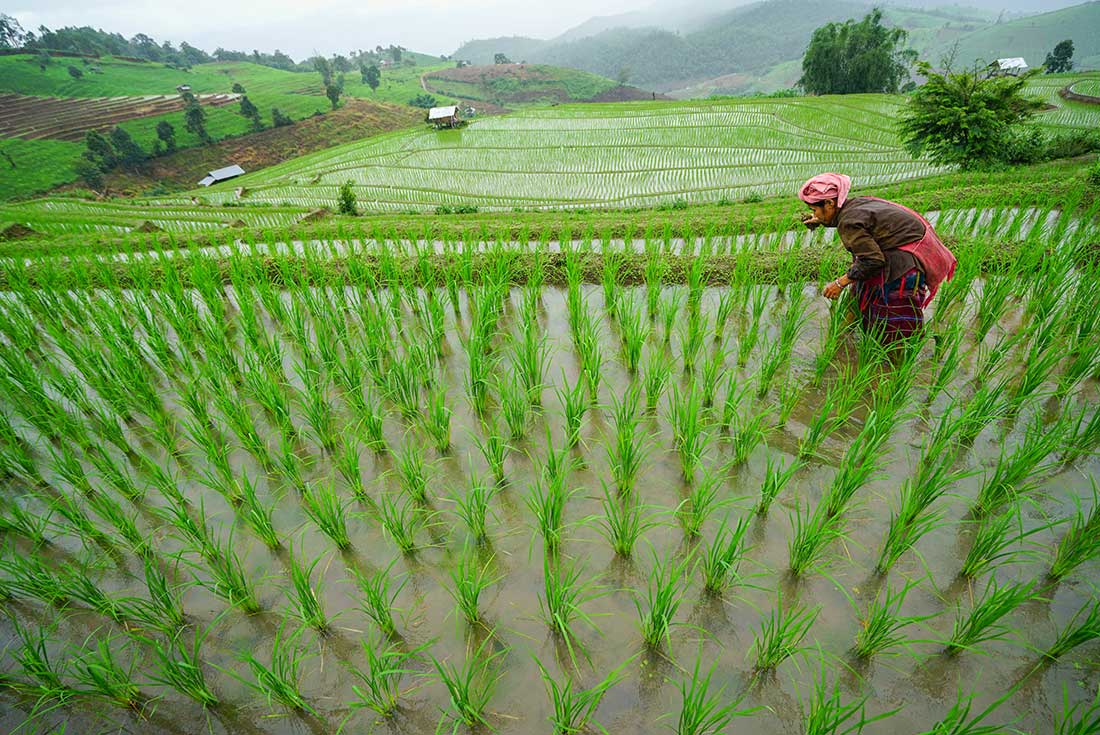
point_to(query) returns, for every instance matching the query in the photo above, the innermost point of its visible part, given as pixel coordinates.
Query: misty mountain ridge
(738, 43)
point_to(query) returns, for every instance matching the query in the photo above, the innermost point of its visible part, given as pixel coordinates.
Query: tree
(333, 91)
(251, 112)
(194, 119)
(322, 66)
(372, 76)
(623, 76)
(128, 152)
(75, 72)
(964, 118)
(237, 88)
(167, 135)
(89, 173)
(98, 151)
(278, 119)
(1061, 58)
(395, 54)
(347, 203)
(851, 57)
(12, 34)
(499, 58)
(423, 100)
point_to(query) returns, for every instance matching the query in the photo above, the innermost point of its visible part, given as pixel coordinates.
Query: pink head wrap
(826, 186)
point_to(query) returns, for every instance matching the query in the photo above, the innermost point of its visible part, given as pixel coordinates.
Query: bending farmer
(898, 262)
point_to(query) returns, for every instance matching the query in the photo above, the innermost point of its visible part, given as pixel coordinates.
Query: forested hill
(756, 38)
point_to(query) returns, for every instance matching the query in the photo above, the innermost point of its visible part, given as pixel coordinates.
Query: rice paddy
(444, 488)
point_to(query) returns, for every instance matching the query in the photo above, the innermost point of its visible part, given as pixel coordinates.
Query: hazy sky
(299, 27)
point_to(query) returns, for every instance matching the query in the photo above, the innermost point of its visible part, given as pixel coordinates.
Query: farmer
(898, 262)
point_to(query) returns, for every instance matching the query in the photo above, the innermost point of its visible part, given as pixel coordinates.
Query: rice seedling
(77, 586)
(948, 355)
(828, 715)
(860, 463)
(914, 516)
(401, 523)
(179, 666)
(1081, 541)
(304, 594)
(379, 688)
(776, 478)
(634, 330)
(279, 681)
(670, 308)
(689, 435)
(1083, 628)
(564, 594)
(546, 501)
(623, 522)
(992, 305)
(655, 377)
(727, 301)
(588, 348)
(164, 602)
(984, 621)
(412, 470)
(470, 579)
(882, 625)
(574, 405)
(655, 267)
(812, 532)
(692, 338)
(958, 721)
(379, 593)
(625, 454)
(98, 673)
(1081, 437)
(703, 499)
(16, 519)
(664, 590)
(28, 576)
(228, 579)
(33, 657)
(1082, 718)
(437, 417)
(838, 325)
(997, 542)
(514, 407)
(323, 504)
(609, 279)
(747, 342)
(471, 686)
(573, 707)
(747, 433)
(373, 423)
(722, 558)
(1014, 474)
(702, 711)
(530, 355)
(781, 635)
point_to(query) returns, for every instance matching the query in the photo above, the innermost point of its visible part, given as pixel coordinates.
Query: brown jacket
(872, 231)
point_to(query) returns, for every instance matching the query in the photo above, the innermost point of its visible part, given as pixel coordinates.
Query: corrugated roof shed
(442, 113)
(1011, 63)
(221, 174)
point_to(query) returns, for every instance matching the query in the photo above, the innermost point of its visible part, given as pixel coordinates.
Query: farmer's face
(825, 211)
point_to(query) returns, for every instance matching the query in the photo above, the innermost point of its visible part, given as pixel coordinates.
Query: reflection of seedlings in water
(984, 621)
(574, 707)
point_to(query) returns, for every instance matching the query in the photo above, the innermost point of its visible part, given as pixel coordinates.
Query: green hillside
(640, 154)
(1035, 36)
(517, 85)
(43, 164)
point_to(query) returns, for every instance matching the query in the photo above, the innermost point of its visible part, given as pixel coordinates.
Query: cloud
(325, 26)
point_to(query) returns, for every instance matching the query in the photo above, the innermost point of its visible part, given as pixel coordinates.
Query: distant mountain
(726, 47)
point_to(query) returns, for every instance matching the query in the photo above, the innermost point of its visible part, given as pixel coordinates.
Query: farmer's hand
(833, 289)
(811, 222)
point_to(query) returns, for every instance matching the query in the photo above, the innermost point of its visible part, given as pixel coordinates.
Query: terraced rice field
(534, 491)
(69, 118)
(1090, 87)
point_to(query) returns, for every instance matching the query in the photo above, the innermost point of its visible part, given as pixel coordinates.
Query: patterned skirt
(893, 309)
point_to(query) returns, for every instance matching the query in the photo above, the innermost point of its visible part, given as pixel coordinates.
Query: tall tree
(126, 148)
(963, 118)
(851, 57)
(372, 76)
(1061, 58)
(322, 66)
(99, 151)
(251, 112)
(499, 58)
(166, 134)
(11, 33)
(333, 90)
(194, 119)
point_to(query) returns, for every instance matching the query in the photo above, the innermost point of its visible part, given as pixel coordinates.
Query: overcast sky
(328, 26)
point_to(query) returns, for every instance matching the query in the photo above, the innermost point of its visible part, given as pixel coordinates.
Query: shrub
(1094, 174)
(347, 203)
